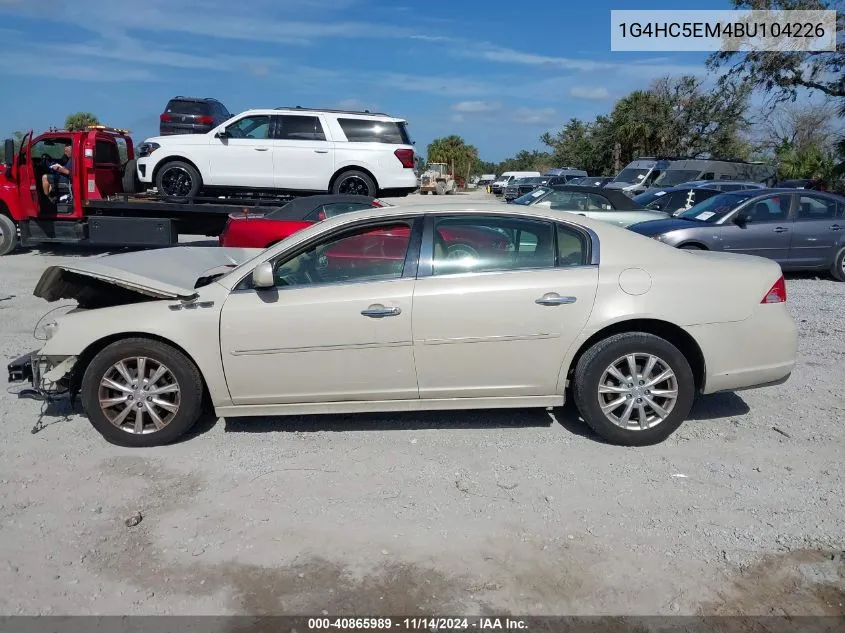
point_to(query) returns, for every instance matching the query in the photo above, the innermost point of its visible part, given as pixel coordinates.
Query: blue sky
(496, 72)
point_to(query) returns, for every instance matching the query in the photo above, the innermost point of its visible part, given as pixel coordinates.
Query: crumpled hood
(168, 273)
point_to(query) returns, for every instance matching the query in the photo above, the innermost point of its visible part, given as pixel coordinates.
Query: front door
(816, 231)
(303, 156)
(336, 327)
(244, 158)
(500, 306)
(767, 233)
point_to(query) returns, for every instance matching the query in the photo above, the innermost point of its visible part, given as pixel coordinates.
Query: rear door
(815, 231)
(24, 173)
(106, 170)
(303, 154)
(767, 234)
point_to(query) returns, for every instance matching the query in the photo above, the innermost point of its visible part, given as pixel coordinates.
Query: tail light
(165, 118)
(205, 120)
(406, 157)
(777, 293)
(378, 203)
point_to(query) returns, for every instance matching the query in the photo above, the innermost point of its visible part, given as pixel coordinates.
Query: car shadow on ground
(707, 408)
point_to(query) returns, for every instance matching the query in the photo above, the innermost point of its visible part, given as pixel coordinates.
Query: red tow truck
(102, 206)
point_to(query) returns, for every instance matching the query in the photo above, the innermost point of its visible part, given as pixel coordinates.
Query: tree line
(678, 116)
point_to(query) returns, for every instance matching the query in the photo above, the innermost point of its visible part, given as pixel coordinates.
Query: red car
(256, 230)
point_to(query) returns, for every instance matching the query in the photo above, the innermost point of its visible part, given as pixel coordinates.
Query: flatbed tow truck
(102, 206)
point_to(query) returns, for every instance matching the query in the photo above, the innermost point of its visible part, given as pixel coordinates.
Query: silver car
(611, 206)
(800, 230)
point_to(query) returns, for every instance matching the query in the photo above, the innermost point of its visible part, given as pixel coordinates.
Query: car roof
(354, 114)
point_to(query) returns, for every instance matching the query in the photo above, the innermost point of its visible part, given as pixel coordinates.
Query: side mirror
(9, 153)
(262, 276)
(222, 133)
(742, 218)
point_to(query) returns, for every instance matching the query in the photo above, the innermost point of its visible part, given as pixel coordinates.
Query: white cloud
(534, 116)
(447, 86)
(476, 107)
(583, 92)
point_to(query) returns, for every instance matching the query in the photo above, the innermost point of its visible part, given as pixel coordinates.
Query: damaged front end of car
(48, 376)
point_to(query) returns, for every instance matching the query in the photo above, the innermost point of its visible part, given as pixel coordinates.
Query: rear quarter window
(369, 131)
(106, 152)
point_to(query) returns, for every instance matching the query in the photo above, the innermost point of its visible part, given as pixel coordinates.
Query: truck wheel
(440, 188)
(8, 235)
(131, 182)
(178, 179)
(354, 183)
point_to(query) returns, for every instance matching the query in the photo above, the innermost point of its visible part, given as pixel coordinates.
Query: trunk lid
(168, 273)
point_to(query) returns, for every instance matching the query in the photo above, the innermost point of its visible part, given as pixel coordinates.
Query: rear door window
(299, 128)
(369, 131)
(816, 208)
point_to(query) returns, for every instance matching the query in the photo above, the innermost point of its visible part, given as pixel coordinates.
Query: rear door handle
(554, 299)
(261, 149)
(321, 151)
(835, 227)
(378, 311)
(781, 229)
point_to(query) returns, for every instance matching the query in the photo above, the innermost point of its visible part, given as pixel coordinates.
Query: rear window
(369, 131)
(177, 106)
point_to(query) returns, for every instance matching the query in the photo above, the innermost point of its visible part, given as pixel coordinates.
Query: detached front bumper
(47, 374)
(21, 369)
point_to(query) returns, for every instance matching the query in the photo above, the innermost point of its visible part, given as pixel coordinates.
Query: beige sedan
(414, 308)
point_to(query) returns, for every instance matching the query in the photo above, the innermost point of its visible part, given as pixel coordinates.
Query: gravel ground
(741, 511)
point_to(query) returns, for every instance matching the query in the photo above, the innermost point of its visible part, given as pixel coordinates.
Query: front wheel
(838, 268)
(178, 179)
(634, 389)
(8, 235)
(140, 392)
(354, 183)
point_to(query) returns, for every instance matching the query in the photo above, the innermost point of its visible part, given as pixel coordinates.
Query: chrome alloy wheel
(638, 391)
(139, 395)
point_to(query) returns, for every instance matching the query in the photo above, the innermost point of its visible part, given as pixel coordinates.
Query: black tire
(189, 180)
(838, 268)
(8, 235)
(440, 188)
(691, 247)
(592, 366)
(131, 182)
(354, 182)
(183, 370)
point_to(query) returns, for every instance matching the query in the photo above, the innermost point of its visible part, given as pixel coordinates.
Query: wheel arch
(675, 334)
(346, 168)
(84, 358)
(695, 243)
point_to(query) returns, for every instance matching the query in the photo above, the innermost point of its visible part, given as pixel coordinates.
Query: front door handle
(378, 311)
(835, 227)
(261, 149)
(554, 299)
(321, 151)
(781, 229)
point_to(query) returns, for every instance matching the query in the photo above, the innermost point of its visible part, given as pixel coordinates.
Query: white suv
(286, 149)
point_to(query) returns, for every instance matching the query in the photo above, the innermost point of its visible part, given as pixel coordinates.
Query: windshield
(672, 177)
(714, 209)
(631, 175)
(533, 180)
(528, 198)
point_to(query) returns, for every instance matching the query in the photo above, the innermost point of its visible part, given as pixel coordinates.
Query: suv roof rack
(194, 98)
(332, 111)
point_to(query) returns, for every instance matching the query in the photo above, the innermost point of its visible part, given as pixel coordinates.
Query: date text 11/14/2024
(417, 624)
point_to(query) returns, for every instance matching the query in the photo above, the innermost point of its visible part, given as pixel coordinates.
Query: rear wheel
(354, 183)
(141, 392)
(838, 268)
(691, 247)
(8, 235)
(178, 179)
(633, 389)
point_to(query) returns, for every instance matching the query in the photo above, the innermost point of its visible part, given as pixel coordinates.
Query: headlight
(145, 149)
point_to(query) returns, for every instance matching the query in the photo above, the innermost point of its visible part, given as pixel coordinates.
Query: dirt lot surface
(741, 511)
